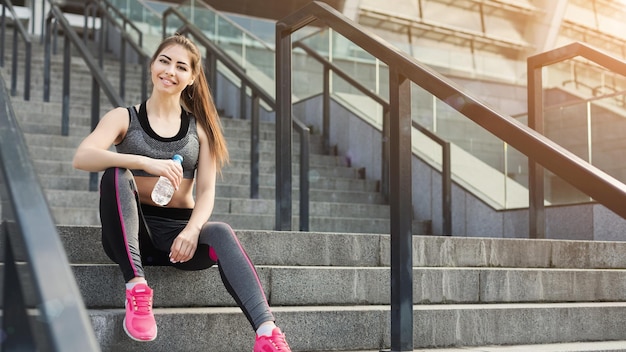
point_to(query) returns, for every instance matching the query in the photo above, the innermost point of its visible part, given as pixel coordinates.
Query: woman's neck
(162, 107)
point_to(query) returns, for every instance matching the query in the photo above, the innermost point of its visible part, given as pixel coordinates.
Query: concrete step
(319, 285)
(293, 248)
(242, 221)
(348, 328)
(50, 153)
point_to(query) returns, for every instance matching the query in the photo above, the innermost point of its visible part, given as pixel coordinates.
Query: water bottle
(163, 190)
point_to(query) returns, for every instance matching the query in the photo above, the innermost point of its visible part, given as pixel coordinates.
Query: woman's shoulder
(118, 116)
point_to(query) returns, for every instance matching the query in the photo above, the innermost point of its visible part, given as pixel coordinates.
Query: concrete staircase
(330, 288)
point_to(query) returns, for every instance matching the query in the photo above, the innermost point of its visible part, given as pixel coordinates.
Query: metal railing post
(67, 59)
(536, 207)
(326, 107)
(254, 147)
(284, 120)
(401, 212)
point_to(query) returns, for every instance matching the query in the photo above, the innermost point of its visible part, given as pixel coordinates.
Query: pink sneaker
(273, 343)
(139, 323)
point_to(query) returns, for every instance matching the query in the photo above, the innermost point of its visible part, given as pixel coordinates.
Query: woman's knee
(217, 235)
(217, 229)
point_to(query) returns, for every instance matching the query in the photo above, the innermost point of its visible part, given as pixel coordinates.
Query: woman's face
(171, 71)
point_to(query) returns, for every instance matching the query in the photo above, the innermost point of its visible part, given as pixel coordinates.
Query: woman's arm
(185, 244)
(93, 153)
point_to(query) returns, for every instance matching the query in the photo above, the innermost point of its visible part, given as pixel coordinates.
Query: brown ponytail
(197, 99)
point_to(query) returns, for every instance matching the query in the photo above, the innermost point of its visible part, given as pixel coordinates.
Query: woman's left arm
(185, 244)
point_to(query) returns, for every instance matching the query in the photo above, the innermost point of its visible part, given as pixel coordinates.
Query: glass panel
(594, 130)
(480, 161)
(254, 55)
(145, 18)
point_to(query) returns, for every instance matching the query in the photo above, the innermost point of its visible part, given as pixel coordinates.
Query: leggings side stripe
(122, 224)
(256, 277)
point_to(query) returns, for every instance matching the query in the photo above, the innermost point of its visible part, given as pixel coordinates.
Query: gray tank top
(141, 139)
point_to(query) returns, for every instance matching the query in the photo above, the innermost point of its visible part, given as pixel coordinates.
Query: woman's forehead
(177, 53)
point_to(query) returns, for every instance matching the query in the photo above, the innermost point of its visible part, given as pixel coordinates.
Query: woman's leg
(237, 271)
(122, 228)
(119, 215)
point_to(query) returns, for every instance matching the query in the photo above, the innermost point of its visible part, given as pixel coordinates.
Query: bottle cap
(177, 158)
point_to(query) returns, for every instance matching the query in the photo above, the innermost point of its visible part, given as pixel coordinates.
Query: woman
(179, 117)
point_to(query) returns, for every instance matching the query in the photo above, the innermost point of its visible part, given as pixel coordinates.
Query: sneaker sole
(133, 337)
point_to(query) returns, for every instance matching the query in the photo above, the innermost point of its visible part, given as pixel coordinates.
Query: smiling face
(171, 70)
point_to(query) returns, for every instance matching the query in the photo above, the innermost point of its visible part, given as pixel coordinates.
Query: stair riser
(341, 286)
(341, 249)
(433, 327)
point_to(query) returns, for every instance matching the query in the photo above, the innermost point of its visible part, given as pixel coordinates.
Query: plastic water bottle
(163, 189)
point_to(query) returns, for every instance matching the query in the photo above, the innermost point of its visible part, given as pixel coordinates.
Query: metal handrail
(446, 173)
(602, 188)
(98, 81)
(137, 46)
(404, 69)
(31, 235)
(106, 6)
(214, 54)
(18, 28)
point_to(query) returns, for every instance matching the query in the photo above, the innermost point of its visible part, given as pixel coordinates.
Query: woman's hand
(184, 246)
(167, 168)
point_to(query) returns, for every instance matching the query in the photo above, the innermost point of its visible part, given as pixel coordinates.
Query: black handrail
(595, 183)
(446, 172)
(98, 81)
(404, 69)
(105, 8)
(30, 235)
(214, 54)
(18, 28)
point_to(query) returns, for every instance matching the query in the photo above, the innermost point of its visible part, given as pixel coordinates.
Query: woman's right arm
(93, 153)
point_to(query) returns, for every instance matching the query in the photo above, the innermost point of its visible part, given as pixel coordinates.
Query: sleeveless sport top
(141, 139)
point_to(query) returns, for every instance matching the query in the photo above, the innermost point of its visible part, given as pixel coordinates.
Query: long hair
(197, 99)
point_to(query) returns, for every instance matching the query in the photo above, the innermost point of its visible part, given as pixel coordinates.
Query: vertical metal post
(3, 27)
(95, 118)
(211, 71)
(242, 100)
(446, 193)
(385, 155)
(144, 77)
(14, 63)
(536, 208)
(401, 213)
(304, 180)
(284, 121)
(254, 148)
(326, 110)
(67, 57)
(46, 60)
(27, 69)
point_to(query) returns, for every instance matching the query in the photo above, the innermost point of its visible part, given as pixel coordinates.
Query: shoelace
(142, 302)
(278, 340)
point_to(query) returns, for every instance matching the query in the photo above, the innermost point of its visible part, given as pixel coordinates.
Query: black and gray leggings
(134, 235)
